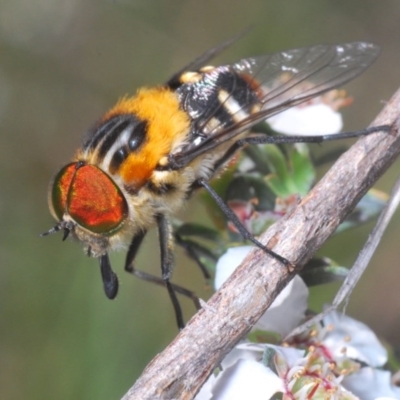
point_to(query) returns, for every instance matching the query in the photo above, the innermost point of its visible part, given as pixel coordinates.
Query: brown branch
(182, 368)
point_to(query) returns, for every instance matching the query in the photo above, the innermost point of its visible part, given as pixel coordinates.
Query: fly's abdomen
(216, 98)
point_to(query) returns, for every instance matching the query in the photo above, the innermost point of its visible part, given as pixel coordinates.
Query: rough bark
(180, 370)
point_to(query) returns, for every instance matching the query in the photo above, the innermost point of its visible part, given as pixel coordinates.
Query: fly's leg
(166, 238)
(266, 139)
(192, 250)
(239, 226)
(129, 267)
(180, 160)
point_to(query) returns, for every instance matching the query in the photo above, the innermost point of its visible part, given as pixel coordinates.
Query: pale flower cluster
(339, 359)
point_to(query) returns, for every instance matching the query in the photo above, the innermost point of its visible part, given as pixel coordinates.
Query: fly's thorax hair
(164, 193)
(204, 166)
(136, 133)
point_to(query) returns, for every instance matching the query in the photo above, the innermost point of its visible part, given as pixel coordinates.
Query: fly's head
(88, 205)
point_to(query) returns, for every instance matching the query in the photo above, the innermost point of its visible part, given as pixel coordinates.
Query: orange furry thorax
(168, 126)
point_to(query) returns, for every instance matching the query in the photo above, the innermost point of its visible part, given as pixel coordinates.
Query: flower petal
(228, 262)
(247, 380)
(370, 384)
(314, 119)
(290, 303)
(358, 340)
(287, 310)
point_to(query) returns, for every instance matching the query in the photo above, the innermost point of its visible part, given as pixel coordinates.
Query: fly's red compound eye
(59, 190)
(90, 197)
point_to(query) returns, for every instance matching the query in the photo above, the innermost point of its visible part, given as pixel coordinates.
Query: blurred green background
(63, 63)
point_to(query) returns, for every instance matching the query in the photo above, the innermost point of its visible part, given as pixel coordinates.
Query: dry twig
(185, 364)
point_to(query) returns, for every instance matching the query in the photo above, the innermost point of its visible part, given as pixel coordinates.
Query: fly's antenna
(63, 225)
(55, 229)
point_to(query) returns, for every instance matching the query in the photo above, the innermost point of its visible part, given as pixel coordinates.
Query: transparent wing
(287, 79)
(294, 76)
(204, 58)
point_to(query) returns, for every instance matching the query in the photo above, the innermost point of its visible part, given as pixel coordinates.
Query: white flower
(321, 369)
(336, 359)
(228, 262)
(309, 120)
(241, 352)
(291, 355)
(371, 384)
(294, 373)
(387, 398)
(247, 380)
(287, 310)
(205, 391)
(353, 339)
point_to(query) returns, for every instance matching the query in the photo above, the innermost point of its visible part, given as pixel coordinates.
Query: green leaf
(246, 187)
(293, 174)
(268, 357)
(279, 178)
(257, 156)
(393, 358)
(259, 336)
(303, 171)
(319, 271)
